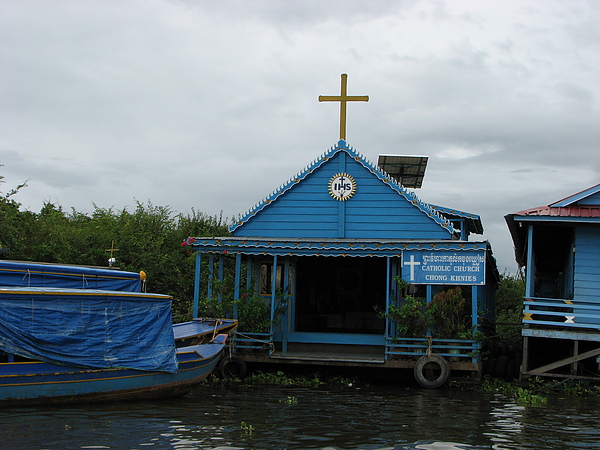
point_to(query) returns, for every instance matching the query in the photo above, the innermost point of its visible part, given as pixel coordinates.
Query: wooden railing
(252, 341)
(554, 312)
(460, 349)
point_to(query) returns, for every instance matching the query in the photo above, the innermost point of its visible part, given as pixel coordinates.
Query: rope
(252, 339)
(217, 323)
(28, 276)
(269, 343)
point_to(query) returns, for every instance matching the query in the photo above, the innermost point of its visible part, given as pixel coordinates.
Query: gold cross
(343, 98)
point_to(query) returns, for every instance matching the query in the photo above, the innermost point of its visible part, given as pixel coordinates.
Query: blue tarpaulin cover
(21, 273)
(88, 328)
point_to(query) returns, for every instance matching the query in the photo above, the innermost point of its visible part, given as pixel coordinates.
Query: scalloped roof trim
(342, 146)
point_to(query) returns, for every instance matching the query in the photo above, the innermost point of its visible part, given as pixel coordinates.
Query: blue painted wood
(237, 279)
(590, 196)
(587, 263)
(571, 334)
(464, 349)
(197, 285)
(337, 338)
(379, 209)
(593, 199)
(40, 382)
(561, 313)
(530, 268)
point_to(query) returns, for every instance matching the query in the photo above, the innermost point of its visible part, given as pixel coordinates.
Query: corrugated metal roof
(583, 207)
(571, 199)
(473, 220)
(568, 211)
(328, 247)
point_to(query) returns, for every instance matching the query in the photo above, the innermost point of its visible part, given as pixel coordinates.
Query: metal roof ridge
(456, 212)
(561, 211)
(568, 201)
(322, 239)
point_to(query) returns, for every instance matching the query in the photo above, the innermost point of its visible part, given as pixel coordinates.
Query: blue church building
(337, 247)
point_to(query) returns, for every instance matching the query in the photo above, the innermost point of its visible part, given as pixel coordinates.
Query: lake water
(228, 417)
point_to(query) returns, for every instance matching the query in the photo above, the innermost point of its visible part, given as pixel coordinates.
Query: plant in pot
(448, 314)
(409, 317)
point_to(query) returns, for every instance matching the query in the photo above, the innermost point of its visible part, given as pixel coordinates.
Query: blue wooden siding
(376, 211)
(587, 264)
(593, 199)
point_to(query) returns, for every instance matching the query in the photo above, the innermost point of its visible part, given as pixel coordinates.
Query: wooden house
(559, 246)
(326, 251)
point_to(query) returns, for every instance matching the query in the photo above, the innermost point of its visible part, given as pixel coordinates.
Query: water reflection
(505, 422)
(374, 418)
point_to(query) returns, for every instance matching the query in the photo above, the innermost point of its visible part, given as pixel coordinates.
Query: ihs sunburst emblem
(342, 186)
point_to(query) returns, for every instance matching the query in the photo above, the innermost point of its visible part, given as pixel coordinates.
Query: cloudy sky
(211, 105)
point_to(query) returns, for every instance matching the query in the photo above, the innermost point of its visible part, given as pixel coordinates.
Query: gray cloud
(212, 105)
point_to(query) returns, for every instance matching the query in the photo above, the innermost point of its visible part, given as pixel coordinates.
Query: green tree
(509, 307)
(11, 221)
(148, 238)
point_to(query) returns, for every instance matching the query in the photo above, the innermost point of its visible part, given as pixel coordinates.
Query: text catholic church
(326, 250)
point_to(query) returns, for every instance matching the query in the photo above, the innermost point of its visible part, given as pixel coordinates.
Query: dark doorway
(553, 247)
(339, 294)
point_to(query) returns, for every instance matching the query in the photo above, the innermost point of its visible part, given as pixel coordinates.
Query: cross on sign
(412, 263)
(343, 99)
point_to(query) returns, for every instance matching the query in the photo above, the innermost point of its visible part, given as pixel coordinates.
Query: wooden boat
(201, 330)
(60, 344)
(30, 274)
(26, 382)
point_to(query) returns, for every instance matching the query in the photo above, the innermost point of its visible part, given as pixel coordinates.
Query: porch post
(236, 289)
(388, 294)
(211, 269)
(474, 305)
(249, 268)
(197, 285)
(285, 324)
(464, 230)
(221, 271)
(530, 269)
(273, 289)
(475, 290)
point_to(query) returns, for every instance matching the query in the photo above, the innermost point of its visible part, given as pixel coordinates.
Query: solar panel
(406, 170)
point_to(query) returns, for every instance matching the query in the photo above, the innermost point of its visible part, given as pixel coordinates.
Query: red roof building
(559, 246)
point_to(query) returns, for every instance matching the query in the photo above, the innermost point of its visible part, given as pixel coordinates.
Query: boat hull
(201, 330)
(26, 383)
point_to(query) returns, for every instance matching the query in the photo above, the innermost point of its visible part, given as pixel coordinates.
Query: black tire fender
(429, 360)
(489, 367)
(232, 367)
(500, 367)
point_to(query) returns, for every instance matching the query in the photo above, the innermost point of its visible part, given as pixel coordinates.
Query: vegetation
(148, 238)
(534, 391)
(281, 378)
(448, 314)
(509, 308)
(445, 317)
(410, 318)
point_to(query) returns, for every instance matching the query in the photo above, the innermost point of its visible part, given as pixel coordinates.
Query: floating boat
(35, 382)
(65, 344)
(29, 274)
(201, 330)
